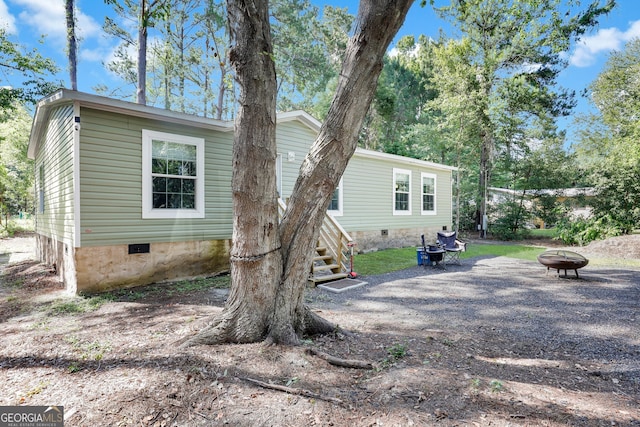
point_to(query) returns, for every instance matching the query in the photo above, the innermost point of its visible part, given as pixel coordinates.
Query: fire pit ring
(562, 260)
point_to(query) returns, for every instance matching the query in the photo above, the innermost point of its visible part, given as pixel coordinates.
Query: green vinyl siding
(55, 156)
(368, 197)
(292, 137)
(367, 185)
(111, 183)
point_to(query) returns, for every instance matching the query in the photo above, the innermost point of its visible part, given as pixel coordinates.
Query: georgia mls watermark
(31, 416)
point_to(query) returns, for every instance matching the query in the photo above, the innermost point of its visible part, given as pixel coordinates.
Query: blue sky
(27, 20)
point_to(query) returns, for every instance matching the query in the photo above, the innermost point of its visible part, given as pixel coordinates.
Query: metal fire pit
(562, 260)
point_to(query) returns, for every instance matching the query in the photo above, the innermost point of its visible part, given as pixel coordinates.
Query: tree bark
(376, 24)
(256, 261)
(270, 261)
(141, 92)
(71, 44)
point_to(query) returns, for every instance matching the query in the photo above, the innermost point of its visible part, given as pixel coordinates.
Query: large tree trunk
(71, 43)
(484, 179)
(270, 262)
(256, 260)
(486, 152)
(141, 93)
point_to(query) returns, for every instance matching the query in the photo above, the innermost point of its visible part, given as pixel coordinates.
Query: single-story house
(129, 194)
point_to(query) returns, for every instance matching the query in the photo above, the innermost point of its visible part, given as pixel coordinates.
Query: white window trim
(424, 175)
(148, 212)
(393, 192)
(338, 212)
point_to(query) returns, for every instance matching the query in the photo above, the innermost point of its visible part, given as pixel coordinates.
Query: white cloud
(413, 53)
(633, 31)
(605, 40)
(104, 52)
(45, 17)
(87, 26)
(531, 67)
(48, 17)
(7, 21)
(93, 55)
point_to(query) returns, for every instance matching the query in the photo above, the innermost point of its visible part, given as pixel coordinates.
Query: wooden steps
(324, 268)
(331, 261)
(326, 278)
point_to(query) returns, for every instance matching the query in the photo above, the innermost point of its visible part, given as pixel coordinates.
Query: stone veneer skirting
(102, 268)
(395, 238)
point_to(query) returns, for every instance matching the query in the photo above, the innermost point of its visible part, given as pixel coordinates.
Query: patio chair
(452, 246)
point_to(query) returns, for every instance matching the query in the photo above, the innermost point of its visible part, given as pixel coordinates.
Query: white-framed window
(401, 192)
(172, 175)
(335, 206)
(428, 193)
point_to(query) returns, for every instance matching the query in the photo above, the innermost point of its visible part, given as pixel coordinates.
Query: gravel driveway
(591, 323)
(493, 342)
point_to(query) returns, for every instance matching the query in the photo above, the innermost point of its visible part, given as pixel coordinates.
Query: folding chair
(452, 246)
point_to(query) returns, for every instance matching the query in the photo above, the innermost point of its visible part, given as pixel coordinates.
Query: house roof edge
(315, 125)
(386, 156)
(302, 116)
(66, 96)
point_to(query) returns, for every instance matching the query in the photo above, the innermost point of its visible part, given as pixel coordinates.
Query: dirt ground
(494, 342)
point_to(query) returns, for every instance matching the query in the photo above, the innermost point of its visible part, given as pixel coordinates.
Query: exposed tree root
(297, 391)
(202, 339)
(345, 363)
(316, 325)
(227, 329)
(210, 335)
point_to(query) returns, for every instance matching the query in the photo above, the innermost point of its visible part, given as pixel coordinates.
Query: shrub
(581, 231)
(15, 225)
(510, 220)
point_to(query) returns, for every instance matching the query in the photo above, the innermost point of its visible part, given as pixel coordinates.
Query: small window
(401, 192)
(173, 176)
(335, 206)
(428, 194)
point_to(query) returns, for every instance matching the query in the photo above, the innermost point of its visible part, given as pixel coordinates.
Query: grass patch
(544, 233)
(496, 386)
(12, 284)
(172, 288)
(87, 351)
(388, 260)
(78, 305)
(529, 253)
(200, 284)
(394, 353)
(384, 261)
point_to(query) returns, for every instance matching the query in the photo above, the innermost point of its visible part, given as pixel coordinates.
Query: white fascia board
(115, 105)
(315, 125)
(101, 103)
(303, 117)
(361, 152)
